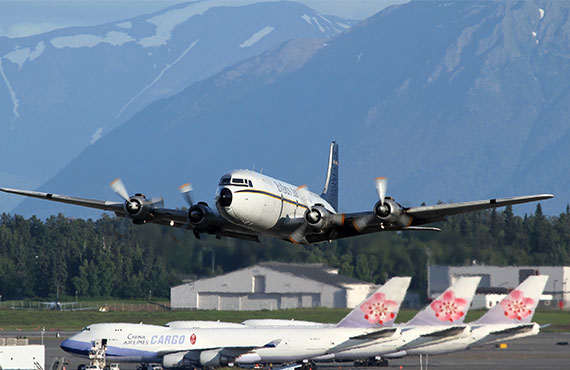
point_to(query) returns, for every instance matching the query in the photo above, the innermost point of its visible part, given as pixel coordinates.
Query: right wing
(215, 225)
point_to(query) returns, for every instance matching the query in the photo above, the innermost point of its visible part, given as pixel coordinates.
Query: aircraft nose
(225, 199)
(66, 345)
(76, 347)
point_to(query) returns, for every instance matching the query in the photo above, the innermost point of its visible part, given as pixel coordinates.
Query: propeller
(119, 188)
(186, 191)
(381, 185)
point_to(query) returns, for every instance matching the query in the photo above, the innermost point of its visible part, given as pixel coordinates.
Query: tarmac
(544, 351)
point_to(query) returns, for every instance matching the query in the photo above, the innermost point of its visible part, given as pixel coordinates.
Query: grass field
(15, 319)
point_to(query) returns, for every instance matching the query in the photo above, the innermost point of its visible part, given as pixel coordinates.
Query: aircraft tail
(451, 306)
(330, 191)
(519, 305)
(380, 308)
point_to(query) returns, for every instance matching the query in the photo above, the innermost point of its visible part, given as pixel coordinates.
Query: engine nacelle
(391, 213)
(178, 359)
(319, 218)
(137, 208)
(214, 358)
(200, 215)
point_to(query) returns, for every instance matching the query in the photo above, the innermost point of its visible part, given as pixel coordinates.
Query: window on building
(259, 284)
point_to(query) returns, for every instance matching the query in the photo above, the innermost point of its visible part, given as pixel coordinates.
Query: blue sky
(27, 17)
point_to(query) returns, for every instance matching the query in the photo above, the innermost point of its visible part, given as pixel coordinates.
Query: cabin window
(225, 180)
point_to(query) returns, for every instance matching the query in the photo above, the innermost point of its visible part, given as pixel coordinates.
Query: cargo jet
(212, 345)
(250, 205)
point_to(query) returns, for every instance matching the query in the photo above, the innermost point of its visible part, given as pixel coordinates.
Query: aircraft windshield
(225, 180)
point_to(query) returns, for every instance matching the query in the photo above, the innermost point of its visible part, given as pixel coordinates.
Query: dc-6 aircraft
(212, 345)
(250, 204)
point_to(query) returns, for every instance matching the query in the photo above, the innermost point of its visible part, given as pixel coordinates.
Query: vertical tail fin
(519, 305)
(330, 191)
(451, 306)
(380, 308)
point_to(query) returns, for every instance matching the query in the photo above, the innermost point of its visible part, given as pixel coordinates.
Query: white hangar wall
(271, 286)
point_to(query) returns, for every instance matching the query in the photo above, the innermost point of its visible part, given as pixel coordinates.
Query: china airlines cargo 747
(250, 205)
(218, 345)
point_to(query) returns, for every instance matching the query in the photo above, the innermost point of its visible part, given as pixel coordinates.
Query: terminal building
(498, 281)
(272, 286)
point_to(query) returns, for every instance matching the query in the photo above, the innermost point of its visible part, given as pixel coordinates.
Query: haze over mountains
(452, 101)
(63, 90)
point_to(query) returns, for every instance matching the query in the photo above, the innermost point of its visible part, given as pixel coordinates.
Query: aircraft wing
(427, 214)
(413, 218)
(217, 225)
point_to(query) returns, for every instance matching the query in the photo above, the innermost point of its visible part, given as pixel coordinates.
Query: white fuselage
(139, 342)
(264, 204)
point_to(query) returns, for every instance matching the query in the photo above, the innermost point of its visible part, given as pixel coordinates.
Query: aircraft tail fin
(451, 306)
(330, 191)
(380, 308)
(519, 305)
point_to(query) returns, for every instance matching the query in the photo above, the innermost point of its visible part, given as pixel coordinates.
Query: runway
(538, 352)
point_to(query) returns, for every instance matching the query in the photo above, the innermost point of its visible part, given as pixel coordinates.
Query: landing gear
(372, 362)
(308, 365)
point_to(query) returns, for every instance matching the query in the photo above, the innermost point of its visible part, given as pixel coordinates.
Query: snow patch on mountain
(345, 26)
(98, 134)
(113, 38)
(157, 78)
(166, 22)
(257, 36)
(126, 25)
(307, 19)
(15, 101)
(20, 56)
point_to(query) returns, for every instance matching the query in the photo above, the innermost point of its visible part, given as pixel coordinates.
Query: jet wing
(514, 330)
(436, 336)
(427, 214)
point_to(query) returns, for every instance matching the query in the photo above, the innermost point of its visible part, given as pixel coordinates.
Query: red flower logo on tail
(517, 306)
(377, 309)
(449, 308)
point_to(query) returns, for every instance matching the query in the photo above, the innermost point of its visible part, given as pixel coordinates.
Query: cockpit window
(250, 184)
(86, 329)
(225, 180)
(237, 181)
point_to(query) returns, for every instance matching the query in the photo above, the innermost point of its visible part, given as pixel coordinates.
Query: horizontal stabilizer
(514, 330)
(421, 228)
(445, 333)
(382, 333)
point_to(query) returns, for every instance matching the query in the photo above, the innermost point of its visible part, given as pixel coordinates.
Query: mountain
(452, 101)
(63, 90)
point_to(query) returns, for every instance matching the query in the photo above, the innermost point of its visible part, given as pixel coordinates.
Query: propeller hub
(383, 210)
(133, 206)
(196, 214)
(313, 216)
(225, 199)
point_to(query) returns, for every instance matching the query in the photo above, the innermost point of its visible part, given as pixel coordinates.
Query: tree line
(111, 257)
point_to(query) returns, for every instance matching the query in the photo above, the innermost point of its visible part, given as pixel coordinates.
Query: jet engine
(176, 360)
(214, 358)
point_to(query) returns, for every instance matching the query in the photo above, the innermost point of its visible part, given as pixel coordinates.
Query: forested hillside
(111, 257)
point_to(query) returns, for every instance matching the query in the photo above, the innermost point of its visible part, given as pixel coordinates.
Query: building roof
(314, 271)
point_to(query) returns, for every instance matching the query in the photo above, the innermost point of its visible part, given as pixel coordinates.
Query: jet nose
(225, 199)
(66, 345)
(75, 347)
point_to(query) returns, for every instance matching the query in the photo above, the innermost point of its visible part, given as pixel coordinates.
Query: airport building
(271, 286)
(498, 281)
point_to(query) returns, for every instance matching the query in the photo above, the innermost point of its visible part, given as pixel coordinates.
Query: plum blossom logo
(449, 308)
(378, 309)
(517, 306)
(193, 338)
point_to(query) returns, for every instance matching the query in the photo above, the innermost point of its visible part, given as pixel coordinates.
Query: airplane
(219, 346)
(250, 205)
(440, 320)
(508, 320)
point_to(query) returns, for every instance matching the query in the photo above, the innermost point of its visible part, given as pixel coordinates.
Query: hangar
(271, 286)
